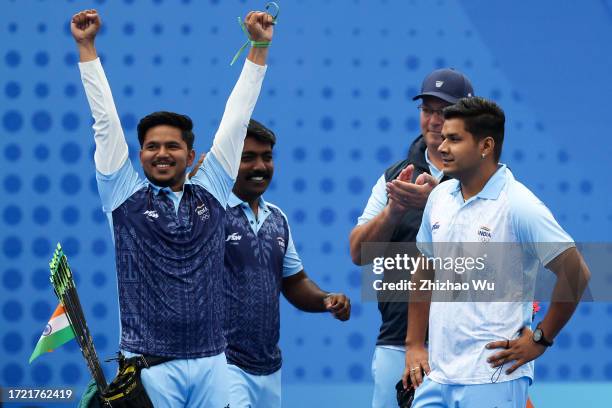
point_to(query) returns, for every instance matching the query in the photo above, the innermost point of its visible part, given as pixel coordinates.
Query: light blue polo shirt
(433, 170)
(117, 187)
(506, 212)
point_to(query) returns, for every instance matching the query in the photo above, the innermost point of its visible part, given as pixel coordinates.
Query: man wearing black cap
(393, 214)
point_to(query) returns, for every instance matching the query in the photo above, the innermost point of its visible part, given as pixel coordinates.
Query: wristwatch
(538, 337)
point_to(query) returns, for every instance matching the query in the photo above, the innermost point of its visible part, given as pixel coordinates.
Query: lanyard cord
(249, 41)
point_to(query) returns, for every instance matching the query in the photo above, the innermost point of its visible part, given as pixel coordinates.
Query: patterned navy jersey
(252, 286)
(169, 244)
(169, 266)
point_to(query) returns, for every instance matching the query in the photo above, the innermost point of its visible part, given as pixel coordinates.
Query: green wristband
(249, 41)
(260, 44)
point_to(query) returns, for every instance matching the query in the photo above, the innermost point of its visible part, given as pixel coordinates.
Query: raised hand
(84, 26)
(260, 26)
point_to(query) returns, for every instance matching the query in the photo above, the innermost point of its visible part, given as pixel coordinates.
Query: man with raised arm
(169, 231)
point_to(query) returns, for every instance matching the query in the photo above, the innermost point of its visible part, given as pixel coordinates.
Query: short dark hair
(482, 118)
(260, 133)
(182, 122)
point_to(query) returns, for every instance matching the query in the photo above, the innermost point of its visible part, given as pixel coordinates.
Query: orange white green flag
(57, 332)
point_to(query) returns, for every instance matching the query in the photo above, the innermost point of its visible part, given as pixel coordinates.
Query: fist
(85, 25)
(260, 25)
(339, 305)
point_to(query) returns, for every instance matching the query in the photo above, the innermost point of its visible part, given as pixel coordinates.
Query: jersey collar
(494, 186)
(234, 201)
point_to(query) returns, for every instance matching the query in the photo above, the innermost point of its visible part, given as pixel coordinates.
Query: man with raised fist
(169, 231)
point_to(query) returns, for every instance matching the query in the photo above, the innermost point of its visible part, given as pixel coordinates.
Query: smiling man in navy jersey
(261, 262)
(169, 232)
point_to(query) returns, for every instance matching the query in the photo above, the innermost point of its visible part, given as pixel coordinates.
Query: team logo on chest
(151, 214)
(435, 227)
(233, 238)
(281, 242)
(484, 234)
(202, 212)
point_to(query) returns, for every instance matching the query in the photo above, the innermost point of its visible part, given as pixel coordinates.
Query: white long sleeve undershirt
(111, 147)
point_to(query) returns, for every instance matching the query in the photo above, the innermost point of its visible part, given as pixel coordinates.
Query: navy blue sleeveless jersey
(252, 286)
(169, 256)
(170, 312)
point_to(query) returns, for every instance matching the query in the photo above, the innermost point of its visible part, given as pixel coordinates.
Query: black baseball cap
(447, 84)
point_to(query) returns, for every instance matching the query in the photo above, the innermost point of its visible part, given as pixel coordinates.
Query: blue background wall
(338, 94)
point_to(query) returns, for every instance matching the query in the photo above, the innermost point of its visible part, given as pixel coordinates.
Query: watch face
(537, 335)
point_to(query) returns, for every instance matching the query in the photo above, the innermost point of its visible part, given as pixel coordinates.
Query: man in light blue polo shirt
(485, 203)
(386, 220)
